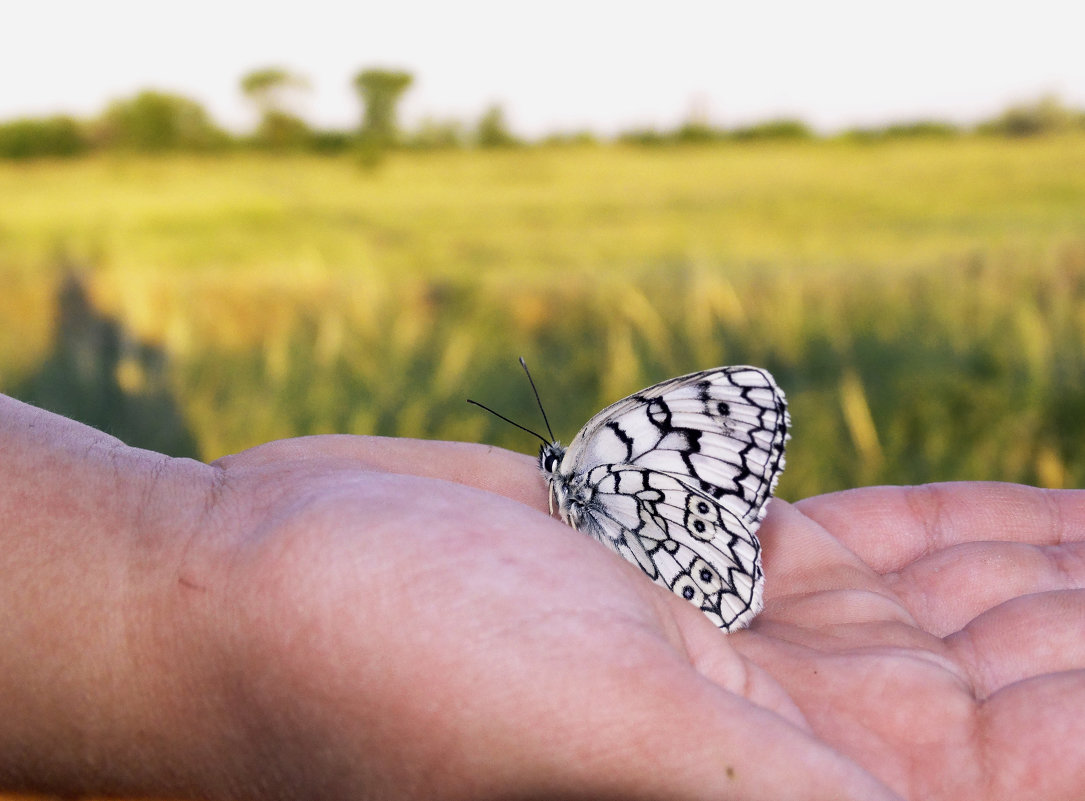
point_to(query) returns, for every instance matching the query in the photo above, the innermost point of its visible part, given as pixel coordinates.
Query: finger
(815, 588)
(486, 467)
(801, 558)
(894, 711)
(888, 527)
(1023, 638)
(946, 589)
(1033, 731)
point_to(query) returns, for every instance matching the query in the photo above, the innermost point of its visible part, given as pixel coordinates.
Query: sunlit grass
(923, 303)
(549, 211)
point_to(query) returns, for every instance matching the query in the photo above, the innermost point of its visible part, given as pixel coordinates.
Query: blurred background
(241, 223)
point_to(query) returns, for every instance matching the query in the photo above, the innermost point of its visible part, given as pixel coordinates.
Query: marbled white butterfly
(675, 478)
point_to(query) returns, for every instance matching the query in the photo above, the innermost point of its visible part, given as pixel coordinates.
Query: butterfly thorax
(570, 497)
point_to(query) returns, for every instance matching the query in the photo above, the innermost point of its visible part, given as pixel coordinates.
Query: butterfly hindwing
(676, 478)
(680, 537)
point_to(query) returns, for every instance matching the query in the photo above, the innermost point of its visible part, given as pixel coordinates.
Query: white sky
(559, 64)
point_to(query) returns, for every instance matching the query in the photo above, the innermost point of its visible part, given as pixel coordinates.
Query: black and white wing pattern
(675, 478)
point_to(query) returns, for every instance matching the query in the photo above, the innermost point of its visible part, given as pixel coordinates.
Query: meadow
(922, 302)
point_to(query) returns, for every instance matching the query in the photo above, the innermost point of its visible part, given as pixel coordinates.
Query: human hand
(934, 635)
(393, 631)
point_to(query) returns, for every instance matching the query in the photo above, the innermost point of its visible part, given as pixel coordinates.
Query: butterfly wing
(676, 478)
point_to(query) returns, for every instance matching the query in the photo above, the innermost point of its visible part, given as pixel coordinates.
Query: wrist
(92, 638)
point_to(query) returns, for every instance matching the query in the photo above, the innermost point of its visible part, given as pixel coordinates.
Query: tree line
(157, 122)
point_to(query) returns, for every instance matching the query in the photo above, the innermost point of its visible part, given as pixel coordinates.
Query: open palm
(935, 635)
(421, 628)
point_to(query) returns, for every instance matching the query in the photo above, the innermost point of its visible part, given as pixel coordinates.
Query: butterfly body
(676, 478)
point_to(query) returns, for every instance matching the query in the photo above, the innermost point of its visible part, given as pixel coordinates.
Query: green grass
(922, 303)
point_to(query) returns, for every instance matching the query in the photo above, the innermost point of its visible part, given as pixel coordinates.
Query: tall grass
(922, 303)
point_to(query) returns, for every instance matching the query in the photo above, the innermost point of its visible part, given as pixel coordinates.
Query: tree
(493, 131)
(156, 121)
(270, 90)
(380, 91)
(1044, 116)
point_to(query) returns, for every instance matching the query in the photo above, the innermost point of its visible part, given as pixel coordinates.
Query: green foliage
(1045, 116)
(265, 86)
(699, 132)
(920, 129)
(330, 143)
(36, 138)
(644, 137)
(380, 91)
(773, 130)
(492, 130)
(570, 138)
(696, 133)
(437, 134)
(281, 131)
(159, 122)
(156, 122)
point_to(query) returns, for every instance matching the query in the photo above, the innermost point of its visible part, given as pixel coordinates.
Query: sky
(559, 65)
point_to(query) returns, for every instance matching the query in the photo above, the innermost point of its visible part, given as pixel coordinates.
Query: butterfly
(676, 478)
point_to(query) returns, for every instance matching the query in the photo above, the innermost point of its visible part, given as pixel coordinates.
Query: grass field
(922, 303)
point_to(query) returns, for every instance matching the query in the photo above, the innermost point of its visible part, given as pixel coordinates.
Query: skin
(356, 617)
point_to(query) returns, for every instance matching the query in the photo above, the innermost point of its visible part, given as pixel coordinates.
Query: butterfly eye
(550, 456)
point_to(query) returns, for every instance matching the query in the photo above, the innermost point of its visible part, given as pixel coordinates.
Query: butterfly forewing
(676, 478)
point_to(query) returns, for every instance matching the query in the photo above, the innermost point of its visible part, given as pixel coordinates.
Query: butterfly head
(550, 456)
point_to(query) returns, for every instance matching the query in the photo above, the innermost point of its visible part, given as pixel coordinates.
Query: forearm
(92, 535)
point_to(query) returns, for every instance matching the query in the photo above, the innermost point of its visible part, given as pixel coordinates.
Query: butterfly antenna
(537, 399)
(510, 422)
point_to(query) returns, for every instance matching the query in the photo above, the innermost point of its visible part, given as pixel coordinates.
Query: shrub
(36, 138)
(1045, 116)
(156, 121)
(921, 129)
(773, 129)
(493, 131)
